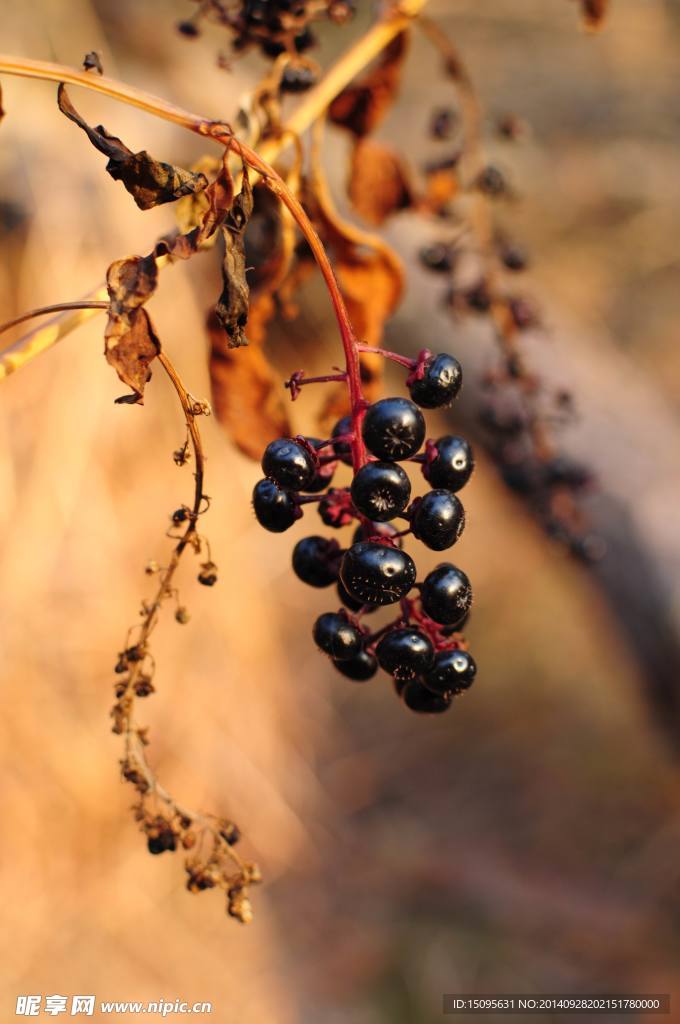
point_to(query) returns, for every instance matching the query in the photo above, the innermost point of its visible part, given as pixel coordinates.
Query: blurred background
(528, 841)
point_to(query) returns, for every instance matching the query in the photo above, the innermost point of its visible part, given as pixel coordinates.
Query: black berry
(165, 840)
(316, 561)
(337, 636)
(405, 653)
(275, 508)
(450, 463)
(377, 573)
(416, 697)
(440, 382)
(350, 602)
(393, 429)
(439, 257)
(452, 672)
(289, 464)
(438, 519)
(343, 449)
(361, 667)
(381, 490)
(446, 594)
(298, 78)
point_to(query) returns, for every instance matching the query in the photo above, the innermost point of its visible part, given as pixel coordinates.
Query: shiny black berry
(405, 653)
(450, 463)
(298, 78)
(438, 519)
(452, 672)
(377, 573)
(343, 449)
(446, 594)
(352, 603)
(316, 561)
(337, 636)
(393, 429)
(289, 464)
(275, 508)
(381, 490)
(440, 383)
(361, 667)
(416, 697)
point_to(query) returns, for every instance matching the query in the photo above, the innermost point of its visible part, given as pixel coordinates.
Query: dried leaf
(130, 343)
(232, 306)
(361, 107)
(246, 393)
(150, 182)
(594, 12)
(378, 184)
(191, 209)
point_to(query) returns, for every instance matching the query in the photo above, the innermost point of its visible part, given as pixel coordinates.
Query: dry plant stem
(134, 745)
(30, 345)
(58, 307)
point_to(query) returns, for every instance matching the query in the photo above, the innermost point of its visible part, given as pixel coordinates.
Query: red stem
(386, 354)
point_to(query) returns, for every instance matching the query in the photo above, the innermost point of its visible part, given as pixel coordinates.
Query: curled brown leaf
(150, 182)
(362, 106)
(130, 342)
(232, 306)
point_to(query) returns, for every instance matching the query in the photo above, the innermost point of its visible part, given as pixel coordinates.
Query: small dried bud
(180, 515)
(238, 904)
(230, 833)
(144, 686)
(151, 568)
(208, 574)
(182, 616)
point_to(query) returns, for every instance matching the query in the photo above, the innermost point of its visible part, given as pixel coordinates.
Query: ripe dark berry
(381, 490)
(343, 449)
(337, 636)
(352, 603)
(316, 561)
(416, 697)
(393, 429)
(165, 840)
(440, 383)
(438, 519)
(298, 78)
(405, 653)
(446, 594)
(275, 508)
(361, 667)
(439, 257)
(289, 464)
(452, 672)
(450, 463)
(444, 123)
(376, 573)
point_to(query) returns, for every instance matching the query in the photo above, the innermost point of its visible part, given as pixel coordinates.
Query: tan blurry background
(528, 841)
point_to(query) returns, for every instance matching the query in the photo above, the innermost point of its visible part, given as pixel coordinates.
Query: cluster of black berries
(274, 27)
(421, 649)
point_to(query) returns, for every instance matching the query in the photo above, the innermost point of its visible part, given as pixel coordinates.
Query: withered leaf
(378, 183)
(232, 306)
(150, 182)
(130, 343)
(361, 107)
(247, 395)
